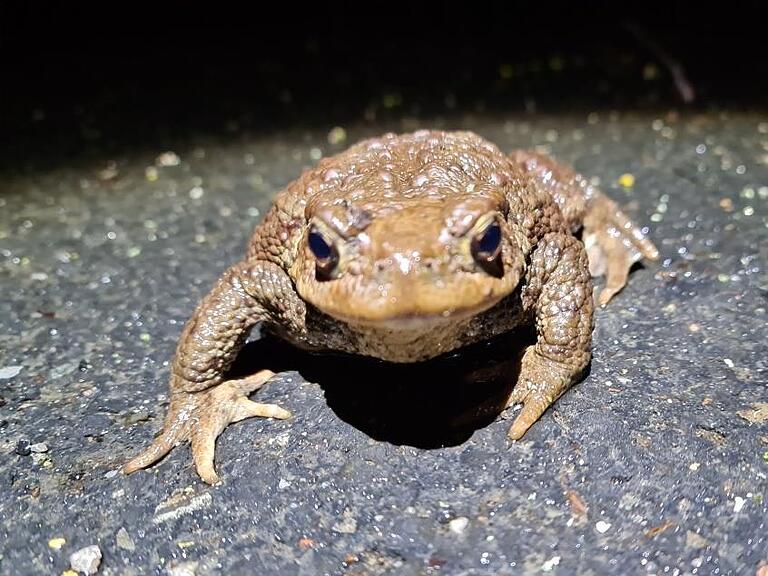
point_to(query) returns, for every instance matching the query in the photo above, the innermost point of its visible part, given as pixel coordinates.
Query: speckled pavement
(656, 463)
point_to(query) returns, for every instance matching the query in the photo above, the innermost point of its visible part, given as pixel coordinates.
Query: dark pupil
(489, 241)
(319, 247)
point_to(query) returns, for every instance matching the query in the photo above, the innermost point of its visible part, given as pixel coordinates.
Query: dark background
(84, 78)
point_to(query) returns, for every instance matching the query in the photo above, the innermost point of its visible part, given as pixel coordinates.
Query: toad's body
(404, 248)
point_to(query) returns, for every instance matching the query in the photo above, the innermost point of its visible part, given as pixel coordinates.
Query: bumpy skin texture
(403, 248)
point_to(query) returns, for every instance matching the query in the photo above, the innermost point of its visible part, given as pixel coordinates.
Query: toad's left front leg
(559, 291)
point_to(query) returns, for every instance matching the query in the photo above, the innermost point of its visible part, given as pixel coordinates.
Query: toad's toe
(201, 417)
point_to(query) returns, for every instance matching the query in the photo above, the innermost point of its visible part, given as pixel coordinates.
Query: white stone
(86, 560)
(458, 525)
(602, 526)
(7, 372)
(550, 564)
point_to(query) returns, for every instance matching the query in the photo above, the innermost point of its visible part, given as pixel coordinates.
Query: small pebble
(39, 458)
(695, 541)
(56, 543)
(167, 159)
(458, 525)
(346, 526)
(550, 564)
(151, 174)
(124, 540)
(602, 526)
(22, 448)
(738, 504)
(39, 447)
(626, 180)
(110, 172)
(337, 135)
(7, 372)
(134, 417)
(86, 560)
(185, 569)
(446, 513)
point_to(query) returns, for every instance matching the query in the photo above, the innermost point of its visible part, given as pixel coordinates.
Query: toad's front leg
(559, 291)
(202, 402)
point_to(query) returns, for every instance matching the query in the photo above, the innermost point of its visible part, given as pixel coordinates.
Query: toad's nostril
(431, 265)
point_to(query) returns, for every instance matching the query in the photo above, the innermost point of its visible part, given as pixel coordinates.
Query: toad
(404, 248)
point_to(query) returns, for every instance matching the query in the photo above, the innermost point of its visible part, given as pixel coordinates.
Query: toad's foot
(201, 416)
(613, 245)
(541, 382)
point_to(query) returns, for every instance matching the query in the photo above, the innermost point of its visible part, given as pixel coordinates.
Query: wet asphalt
(656, 463)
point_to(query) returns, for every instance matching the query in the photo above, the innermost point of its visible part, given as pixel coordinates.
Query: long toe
(618, 265)
(250, 383)
(532, 410)
(245, 408)
(203, 450)
(159, 448)
(176, 429)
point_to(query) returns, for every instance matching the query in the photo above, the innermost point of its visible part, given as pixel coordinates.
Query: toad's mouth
(414, 319)
(403, 306)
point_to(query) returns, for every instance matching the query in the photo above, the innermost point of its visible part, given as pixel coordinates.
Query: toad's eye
(326, 255)
(489, 241)
(320, 248)
(486, 248)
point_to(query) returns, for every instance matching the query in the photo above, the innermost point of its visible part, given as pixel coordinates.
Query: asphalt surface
(656, 463)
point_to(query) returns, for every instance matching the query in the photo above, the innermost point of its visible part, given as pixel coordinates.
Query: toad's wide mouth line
(415, 320)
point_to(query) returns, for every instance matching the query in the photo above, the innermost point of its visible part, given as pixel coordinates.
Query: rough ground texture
(657, 463)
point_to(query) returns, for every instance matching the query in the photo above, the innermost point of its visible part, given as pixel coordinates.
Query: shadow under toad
(432, 404)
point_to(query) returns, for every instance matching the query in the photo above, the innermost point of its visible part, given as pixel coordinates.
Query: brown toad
(403, 248)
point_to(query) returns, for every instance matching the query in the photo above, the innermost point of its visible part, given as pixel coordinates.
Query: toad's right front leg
(202, 402)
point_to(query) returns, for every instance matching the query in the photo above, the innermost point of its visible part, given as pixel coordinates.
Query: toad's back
(383, 172)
